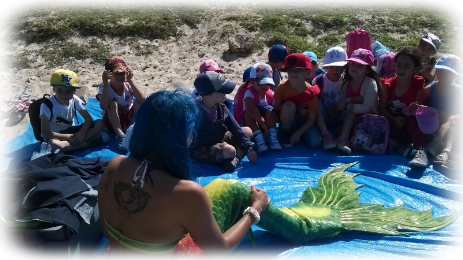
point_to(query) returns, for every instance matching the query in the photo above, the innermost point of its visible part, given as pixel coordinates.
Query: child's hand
(295, 138)
(106, 75)
(129, 73)
(399, 122)
(252, 156)
(357, 100)
(264, 129)
(77, 138)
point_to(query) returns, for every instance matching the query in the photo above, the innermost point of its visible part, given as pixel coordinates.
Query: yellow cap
(64, 78)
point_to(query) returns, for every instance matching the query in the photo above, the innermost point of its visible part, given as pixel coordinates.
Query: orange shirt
(285, 92)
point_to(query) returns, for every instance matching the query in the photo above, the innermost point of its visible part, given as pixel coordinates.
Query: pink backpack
(371, 134)
(357, 39)
(238, 112)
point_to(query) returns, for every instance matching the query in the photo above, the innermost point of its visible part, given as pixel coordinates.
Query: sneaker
(120, 143)
(420, 160)
(285, 138)
(343, 145)
(442, 158)
(328, 142)
(272, 140)
(434, 146)
(99, 139)
(230, 165)
(260, 141)
(403, 149)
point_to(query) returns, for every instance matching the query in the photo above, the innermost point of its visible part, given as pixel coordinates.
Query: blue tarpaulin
(285, 174)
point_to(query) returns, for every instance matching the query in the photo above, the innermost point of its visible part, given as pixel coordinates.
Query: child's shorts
(213, 153)
(262, 112)
(75, 129)
(125, 119)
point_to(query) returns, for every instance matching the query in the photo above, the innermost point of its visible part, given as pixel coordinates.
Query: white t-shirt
(124, 101)
(262, 100)
(330, 92)
(63, 116)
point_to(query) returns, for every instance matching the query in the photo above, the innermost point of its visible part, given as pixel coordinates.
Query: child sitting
(296, 103)
(315, 71)
(257, 109)
(330, 84)
(398, 93)
(57, 123)
(358, 94)
(116, 98)
(219, 139)
(276, 57)
(445, 96)
(428, 46)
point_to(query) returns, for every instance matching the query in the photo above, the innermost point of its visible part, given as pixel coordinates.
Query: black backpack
(34, 115)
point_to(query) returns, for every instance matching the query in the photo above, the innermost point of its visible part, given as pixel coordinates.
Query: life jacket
(307, 95)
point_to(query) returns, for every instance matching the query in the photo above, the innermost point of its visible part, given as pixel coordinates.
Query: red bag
(357, 39)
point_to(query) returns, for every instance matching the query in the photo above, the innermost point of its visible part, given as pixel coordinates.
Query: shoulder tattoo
(131, 198)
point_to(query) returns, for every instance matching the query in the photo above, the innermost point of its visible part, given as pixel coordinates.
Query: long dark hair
(163, 123)
(370, 73)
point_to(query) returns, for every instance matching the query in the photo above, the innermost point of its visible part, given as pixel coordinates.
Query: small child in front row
(57, 125)
(296, 103)
(328, 116)
(258, 109)
(116, 98)
(446, 97)
(219, 139)
(358, 94)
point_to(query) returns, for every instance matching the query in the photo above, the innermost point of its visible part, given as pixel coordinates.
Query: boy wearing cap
(57, 123)
(219, 138)
(328, 116)
(276, 57)
(296, 103)
(428, 46)
(445, 96)
(116, 98)
(315, 69)
(257, 108)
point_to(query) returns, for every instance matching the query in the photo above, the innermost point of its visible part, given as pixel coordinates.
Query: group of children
(318, 105)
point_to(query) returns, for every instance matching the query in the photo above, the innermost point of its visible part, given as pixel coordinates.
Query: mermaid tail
(322, 212)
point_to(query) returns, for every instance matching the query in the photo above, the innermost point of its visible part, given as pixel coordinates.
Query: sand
(175, 62)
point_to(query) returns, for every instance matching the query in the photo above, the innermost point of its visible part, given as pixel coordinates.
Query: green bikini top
(139, 246)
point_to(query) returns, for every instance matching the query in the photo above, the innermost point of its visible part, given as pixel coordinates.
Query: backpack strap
(48, 103)
(319, 82)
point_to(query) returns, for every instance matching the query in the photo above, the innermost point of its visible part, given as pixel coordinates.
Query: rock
(241, 43)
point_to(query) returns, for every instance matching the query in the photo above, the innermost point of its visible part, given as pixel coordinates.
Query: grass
(301, 29)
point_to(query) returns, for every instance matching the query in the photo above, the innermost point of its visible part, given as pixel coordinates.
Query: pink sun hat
(209, 65)
(427, 118)
(362, 56)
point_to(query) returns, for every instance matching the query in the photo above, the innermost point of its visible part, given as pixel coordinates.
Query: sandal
(455, 164)
(442, 158)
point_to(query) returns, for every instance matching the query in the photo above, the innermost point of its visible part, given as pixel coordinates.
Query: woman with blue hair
(147, 201)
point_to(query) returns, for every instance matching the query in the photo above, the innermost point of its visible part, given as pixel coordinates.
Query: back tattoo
(130, 197)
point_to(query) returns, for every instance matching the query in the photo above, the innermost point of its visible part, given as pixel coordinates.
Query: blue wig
(163, 123)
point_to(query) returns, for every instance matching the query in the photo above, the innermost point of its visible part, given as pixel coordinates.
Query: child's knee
(228, 151)
(247, 131)
(99, 125)
(288, 107)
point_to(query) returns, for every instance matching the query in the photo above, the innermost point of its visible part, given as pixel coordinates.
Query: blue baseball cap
(246, 74)
(209, 82)
(449, 62)
(312, 55)
(277, 53)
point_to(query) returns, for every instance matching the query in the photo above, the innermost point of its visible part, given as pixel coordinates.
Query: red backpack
(357, 39)
(238, 102)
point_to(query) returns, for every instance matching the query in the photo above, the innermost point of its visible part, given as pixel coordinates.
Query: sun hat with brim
(335, 57)
(362, 56)
(209, 82)
(64, 78)
(449, 62)
(428, 119)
